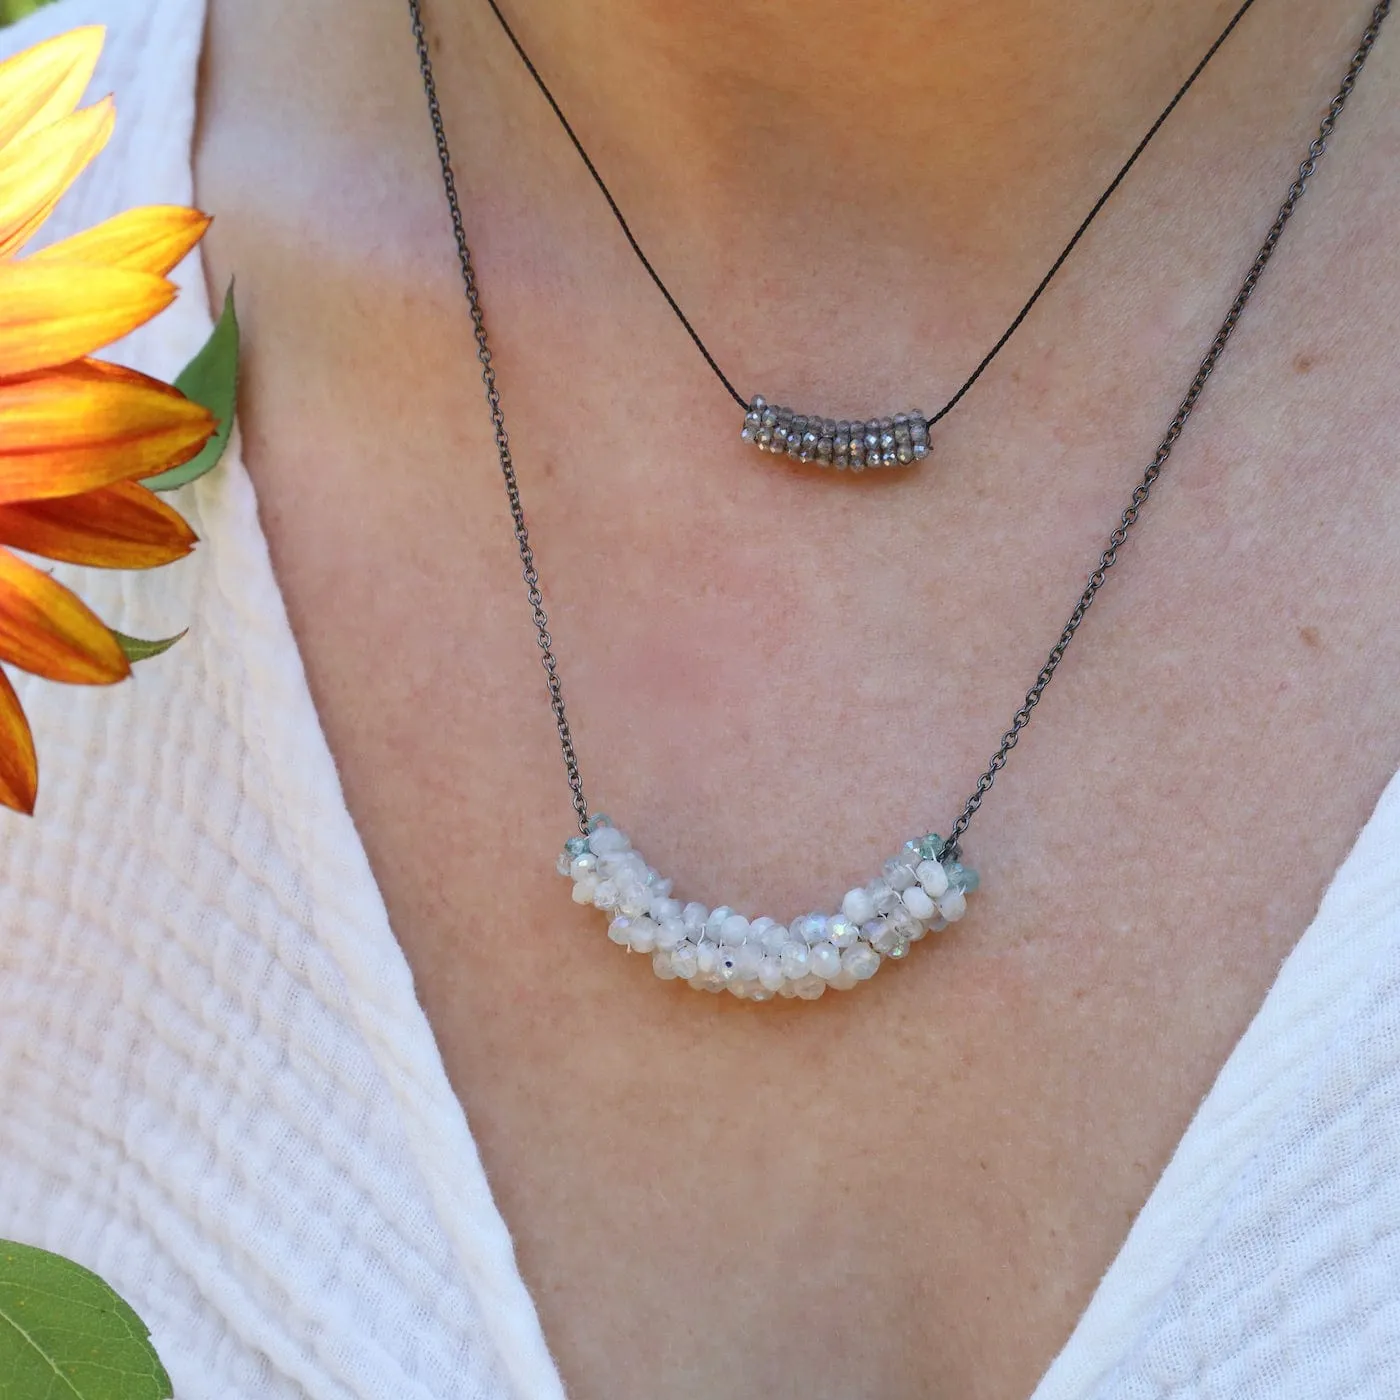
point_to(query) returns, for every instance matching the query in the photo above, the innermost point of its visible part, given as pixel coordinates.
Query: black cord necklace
(901, 438)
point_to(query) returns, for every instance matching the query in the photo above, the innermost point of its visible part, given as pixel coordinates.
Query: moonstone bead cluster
(879, 442)
(920, 891)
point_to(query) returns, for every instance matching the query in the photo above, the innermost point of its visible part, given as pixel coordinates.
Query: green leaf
(138, 650)
(210, 379)
(64, 1335)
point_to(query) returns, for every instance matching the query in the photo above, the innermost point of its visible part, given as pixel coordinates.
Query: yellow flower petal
(50, 315)
(37, 169)
(19, 769)
(43, 83)
(87, 424)
(46, 629)
(151, 239)
(122, 526)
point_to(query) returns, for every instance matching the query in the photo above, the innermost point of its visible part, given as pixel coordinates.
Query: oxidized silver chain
(1109, 556)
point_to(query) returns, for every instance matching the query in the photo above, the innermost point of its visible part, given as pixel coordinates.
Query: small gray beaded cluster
(878, 442)
(921, 890)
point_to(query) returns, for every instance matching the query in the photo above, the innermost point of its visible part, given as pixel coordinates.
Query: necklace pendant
(878, 442)
(921, 890)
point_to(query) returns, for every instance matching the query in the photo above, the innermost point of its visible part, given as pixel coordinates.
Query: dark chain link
(498, 423)
(1116, 540)
(1129, 518)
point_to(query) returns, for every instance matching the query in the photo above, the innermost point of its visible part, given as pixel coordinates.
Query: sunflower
(76, 434)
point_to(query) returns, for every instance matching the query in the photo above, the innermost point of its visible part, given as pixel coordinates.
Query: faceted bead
(932, 877)
(660, 889)
(606, 840)
(643, 939)
(888, 939)
(904, 451)
(814, 930)
(872, 930)
(663, 907)
(686, 960)
(576, 845)
(861, 961)
(773, 938)
(932, 846)
(620, 930)
(633, 899)
(716, 921)
(917, 902)
(898, 949)
(606, 896)
(843, 981)
(920, 451)
(586, 864)
(729, 964)
(882, 896)
(583, 890)
(841, 931)
(785, 988)
(748, 959)
(759, 927)
(809, 988)
(565, 864)
(796, 960)
(898, 875)
(858, 906)
(734, 930)
(670, 935)
(663, 967)
(824, 960)
(694, 914)
(707, 958)
(963, 877)
(770, 977)
(953, 905)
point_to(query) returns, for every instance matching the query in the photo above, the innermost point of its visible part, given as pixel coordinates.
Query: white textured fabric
(219, 1090)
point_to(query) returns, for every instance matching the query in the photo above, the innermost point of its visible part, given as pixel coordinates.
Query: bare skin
(910, 1191)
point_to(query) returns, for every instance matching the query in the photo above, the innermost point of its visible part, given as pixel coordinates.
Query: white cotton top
(219, 1090)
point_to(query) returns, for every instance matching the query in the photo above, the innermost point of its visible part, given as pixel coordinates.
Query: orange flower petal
(37, 169)
(152, 238)
(122, 526)
(46, 82)
(46, 629)
(19, 769)
(51, 315)
(87, 424)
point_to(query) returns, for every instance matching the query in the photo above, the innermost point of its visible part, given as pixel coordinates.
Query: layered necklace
(925, 885)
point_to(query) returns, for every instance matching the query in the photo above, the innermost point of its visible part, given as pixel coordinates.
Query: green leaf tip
(211, 380)
(65, 1335)
(137, 649)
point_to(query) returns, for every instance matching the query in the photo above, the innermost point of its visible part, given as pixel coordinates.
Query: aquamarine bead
(576, 845)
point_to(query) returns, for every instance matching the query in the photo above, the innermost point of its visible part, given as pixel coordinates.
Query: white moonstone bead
(953, 905)
(858, 906)
(583, 889)
(796, 960)
(861, 961)
(888, 938)
(770, 977)
(686, 961)
(565, 864)
(882, 896)
(748, 960)
(759, 927)
(898, 876)
(663, 967)
(775, 938)
(583, 865)
(932, 877)
(824, 960)
(670, 934)
(716, 921)
(707, 958)
(809, 988)
(917, 902)
(643, 939)
(734, 930)
(663, 907)
(815, 929)
(694, 915)
(786, 989)
(620, 930)
(841, 932)
(843, 981)
(605, 895)
(660, 889)
(606, 840)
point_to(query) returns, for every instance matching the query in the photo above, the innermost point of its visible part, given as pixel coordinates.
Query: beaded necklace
(923, 887)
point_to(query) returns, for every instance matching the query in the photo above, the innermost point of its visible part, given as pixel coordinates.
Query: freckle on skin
(1310, 636)
(1303, 363)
